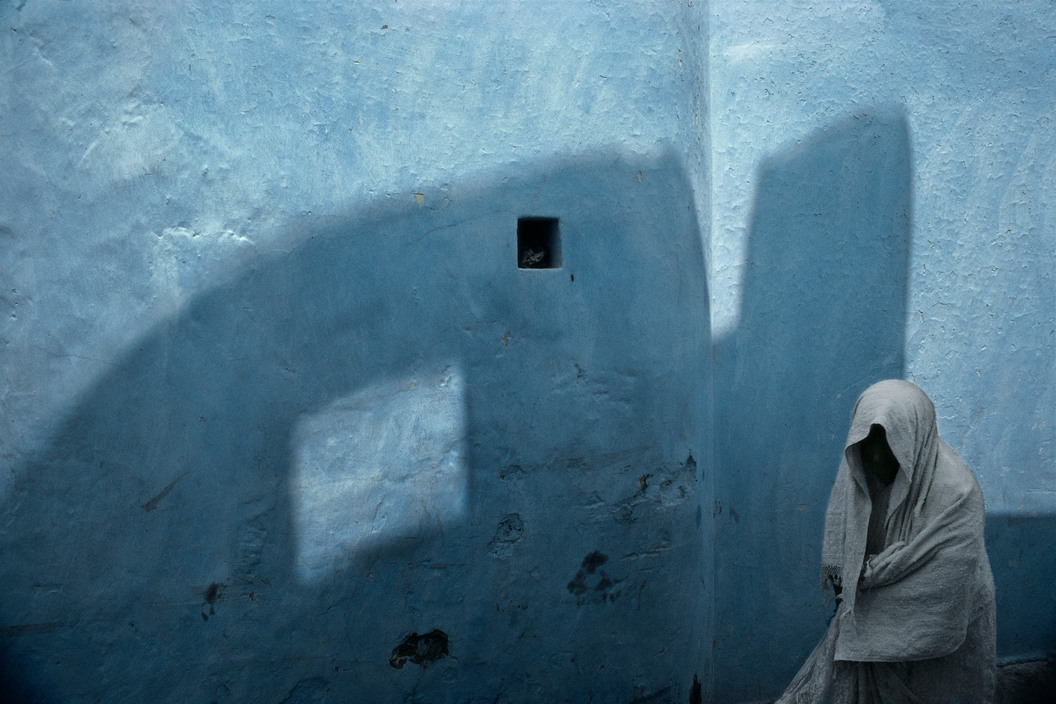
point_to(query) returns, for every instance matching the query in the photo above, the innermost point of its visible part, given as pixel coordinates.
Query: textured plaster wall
(282, 418)
(280, 412)
(899, 156)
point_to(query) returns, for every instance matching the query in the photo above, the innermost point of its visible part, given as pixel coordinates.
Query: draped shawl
(917, 619)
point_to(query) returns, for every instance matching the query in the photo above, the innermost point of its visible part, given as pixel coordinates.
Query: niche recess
(538, 243)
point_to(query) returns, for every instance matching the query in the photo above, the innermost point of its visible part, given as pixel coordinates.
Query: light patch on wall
(135, 143)
(386, 463)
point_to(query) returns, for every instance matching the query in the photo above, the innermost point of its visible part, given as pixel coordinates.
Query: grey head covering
(907, 416)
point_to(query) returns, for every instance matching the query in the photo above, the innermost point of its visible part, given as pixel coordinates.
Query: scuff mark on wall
(153, 503)
(509, 531)
(311, 690)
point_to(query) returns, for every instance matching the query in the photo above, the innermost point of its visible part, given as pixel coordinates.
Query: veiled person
(904, 552)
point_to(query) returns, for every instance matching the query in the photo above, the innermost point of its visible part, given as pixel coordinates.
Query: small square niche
(538, 243)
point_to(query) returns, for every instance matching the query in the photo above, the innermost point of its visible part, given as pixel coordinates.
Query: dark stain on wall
(592, 585)
(211, 595)
(422, 649)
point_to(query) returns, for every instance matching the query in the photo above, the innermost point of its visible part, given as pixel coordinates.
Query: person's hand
(874, 563)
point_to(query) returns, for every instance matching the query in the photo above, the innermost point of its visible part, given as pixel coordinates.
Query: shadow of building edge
(257, 391)
(822, 317)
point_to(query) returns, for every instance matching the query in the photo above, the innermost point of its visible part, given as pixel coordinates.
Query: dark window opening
(538, 243)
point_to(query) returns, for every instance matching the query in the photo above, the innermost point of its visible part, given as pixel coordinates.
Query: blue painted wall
(280, 403)
(882, 204)
(277, 398)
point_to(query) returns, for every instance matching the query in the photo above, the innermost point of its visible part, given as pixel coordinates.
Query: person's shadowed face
(877, 458)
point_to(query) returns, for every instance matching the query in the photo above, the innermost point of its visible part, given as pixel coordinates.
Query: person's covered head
(892, 428)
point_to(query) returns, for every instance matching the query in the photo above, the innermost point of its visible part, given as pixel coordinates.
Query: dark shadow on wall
(822, 317)
(1020, 549)
(155, 549)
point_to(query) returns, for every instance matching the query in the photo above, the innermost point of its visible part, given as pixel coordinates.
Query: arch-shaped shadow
(823, 316)
(154, 549)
